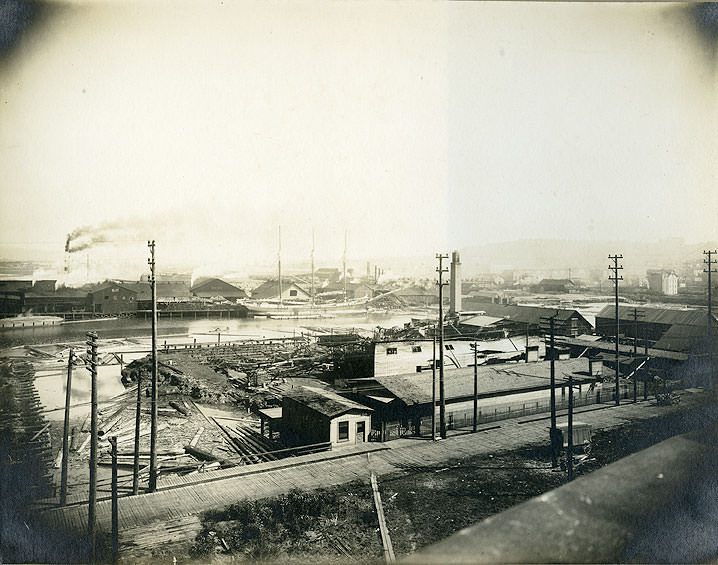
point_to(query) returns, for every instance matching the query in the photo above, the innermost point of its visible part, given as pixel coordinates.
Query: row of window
(344, 430)
(416, 349)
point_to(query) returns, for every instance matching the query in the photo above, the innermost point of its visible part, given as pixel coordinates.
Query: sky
(412, 127)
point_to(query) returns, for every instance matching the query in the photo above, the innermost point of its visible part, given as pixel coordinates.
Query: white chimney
(455, 285)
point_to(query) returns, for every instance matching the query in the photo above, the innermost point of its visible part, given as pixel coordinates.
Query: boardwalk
(173, 511)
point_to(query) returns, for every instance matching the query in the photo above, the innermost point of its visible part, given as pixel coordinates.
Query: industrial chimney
(455, 285)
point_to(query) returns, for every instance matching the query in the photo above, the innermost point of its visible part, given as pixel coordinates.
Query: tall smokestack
(455, 285)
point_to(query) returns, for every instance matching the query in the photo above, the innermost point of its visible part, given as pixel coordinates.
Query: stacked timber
(25, 455)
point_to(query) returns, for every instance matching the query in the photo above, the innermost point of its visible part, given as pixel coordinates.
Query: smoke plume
(87, 236)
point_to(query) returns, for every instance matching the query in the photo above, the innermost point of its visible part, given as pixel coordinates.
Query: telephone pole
(709, 262)
(344, 263)
(476, 383)
(91, 515)
(442, 401)
(136, 461)
(312, 266)
(636, 315)
(115, 536)
(433, 389)
(569, 461)
(153, 404)
(279, 263)
(645, 367)
(65, 432)
(553, 433)
(615, 278)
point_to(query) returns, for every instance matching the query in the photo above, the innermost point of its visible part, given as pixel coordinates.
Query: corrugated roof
(480, 321)
(667, 316)
(325, 402)
(687, 338)
(523, 314)
(415, 388)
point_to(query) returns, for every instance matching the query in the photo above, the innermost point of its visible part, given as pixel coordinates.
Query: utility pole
(344, 262)
(279, 263)
(91, 516)
(645, 367)
(553, 433)
(312, 266)
(65, 432)
(615, 278)
(709, 262)
(636, 315)
(569, 462)
(527, 342)
(153, 404)
(433, 389)
(136, 461)
(476, 383)
(442, 400)
(115, 537)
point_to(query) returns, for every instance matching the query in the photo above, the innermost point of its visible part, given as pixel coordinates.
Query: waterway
(132, 339)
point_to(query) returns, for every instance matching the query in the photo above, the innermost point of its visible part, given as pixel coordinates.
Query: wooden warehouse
(312, 415)
(113, 298)
(402, 403)
(520, 319)
(210, 288)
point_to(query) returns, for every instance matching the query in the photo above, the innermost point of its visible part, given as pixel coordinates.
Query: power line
(709, 262)
(153, 404)
(615, 278)
(442, 401)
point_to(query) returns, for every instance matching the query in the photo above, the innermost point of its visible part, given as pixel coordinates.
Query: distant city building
(557, 285)
(330, 275)
(336, 291)
(665, 282)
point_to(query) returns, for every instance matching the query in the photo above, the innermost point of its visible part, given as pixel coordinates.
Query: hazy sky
(416, 126)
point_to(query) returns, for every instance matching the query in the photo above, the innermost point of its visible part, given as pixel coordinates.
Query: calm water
(132, 338)
(238, 328)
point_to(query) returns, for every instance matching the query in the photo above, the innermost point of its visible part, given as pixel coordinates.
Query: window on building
(107, 297)
(292, 292)
(449, 347)
(343, 431)
(416, 349)
(391, 350)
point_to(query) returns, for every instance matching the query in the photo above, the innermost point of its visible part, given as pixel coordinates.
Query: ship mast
(279, 264)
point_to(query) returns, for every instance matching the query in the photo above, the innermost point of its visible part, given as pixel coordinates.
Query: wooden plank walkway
(181, 499)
